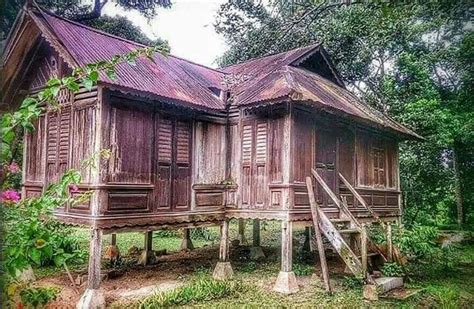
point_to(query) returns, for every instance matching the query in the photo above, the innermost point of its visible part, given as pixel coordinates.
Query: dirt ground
(132, 282)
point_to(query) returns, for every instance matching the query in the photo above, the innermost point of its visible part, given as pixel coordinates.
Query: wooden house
(192, 145)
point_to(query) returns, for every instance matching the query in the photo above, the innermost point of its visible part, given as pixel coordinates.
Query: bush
(165, 234)
(33, 237)
(38, 297)
(393, 270)
(202, 233)
(302, 269)
(200, 289)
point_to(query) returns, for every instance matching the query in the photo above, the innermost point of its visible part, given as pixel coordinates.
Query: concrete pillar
(223, 268)
(286, 282)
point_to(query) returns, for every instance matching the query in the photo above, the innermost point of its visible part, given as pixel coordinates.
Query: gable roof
(168, 76)
(266, 80)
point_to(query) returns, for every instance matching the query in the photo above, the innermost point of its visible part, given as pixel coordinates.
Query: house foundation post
(223, 268)
(256, 252)
(308, 244)
(147, 256)
(286, 282)
(186, 243)
(241, 238)
(93, 297)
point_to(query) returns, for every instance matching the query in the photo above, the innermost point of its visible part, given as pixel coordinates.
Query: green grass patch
(201, 289)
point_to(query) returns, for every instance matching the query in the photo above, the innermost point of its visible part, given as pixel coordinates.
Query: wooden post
(92, 297)
(286, 282)
(256, 233)
(148, 256)
(186, 243)
(363, 248)
(223, 268)
(113, 240)
(224, 244)
(317, 232)
(308, 239)
(94, 259)
(241, 237)
(256, 252)
(389, 242)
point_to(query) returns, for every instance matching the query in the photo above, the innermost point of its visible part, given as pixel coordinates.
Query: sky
(187, 26)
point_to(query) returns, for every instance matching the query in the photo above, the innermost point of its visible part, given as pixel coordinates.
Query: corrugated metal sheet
(168, 76)
(273, 78)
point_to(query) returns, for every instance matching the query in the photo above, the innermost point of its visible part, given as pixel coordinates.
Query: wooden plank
(256, 233)
(286, 246)
(224, 245)
(363, 248)
(333, 235)
(93, 281)
(322, 255)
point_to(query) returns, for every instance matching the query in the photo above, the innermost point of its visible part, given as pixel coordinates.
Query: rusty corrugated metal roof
(168, 76)
(269, 79)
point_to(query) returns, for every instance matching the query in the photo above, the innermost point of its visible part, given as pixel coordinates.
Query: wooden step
(348, 231)
(340, 220)
(370, 254)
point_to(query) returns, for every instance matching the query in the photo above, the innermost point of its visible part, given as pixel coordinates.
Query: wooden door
(326, 164)
(173, 142)
(254, 163)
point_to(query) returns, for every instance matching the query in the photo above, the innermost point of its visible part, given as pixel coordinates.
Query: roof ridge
(313, 45)
(43, 11)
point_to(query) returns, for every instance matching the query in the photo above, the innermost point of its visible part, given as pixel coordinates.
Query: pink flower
(73, 188)
(14, 168)
(10, 196)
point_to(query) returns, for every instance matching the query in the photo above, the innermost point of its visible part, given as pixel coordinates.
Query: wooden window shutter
(52, 147)
(165, 132)
(261, 142)
(182, 142)
(247, 143)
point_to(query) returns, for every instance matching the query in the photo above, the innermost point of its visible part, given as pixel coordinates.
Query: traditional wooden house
(192, 145)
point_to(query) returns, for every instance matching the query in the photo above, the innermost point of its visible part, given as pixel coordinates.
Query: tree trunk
(457, 188)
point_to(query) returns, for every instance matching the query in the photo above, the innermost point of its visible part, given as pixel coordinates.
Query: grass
(251, 288)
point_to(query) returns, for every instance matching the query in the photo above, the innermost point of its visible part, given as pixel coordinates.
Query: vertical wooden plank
(389, 242)
(286, 246)
(241, 237)
(95, 254)
(256, 233)
(113, 239)
(224, 244)
(317, 232)
(363, 248)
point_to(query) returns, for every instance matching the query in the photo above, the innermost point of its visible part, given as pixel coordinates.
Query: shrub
(202, 233)
(165, 234)
(393, 270)
(302, 269)
(38, 297)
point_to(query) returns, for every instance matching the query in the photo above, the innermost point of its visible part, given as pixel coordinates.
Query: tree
(409, 60)
(90, 14)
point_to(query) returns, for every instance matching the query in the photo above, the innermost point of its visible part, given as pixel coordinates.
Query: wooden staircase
(355, 256)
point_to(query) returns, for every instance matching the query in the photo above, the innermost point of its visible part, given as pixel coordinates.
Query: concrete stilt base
(382, 285)
(147, 258)
(187, 244)
(256, 253)
(286, 283)
(91, 299)
(223, 271)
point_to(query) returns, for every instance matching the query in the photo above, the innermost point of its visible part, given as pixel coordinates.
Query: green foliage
(352, 282)
(32, 237)
(417, 242)
(200, 289)
(124, 28)
(165, 233)
(202, 233)
(302, 269)
(393, 270)
(38, 297)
